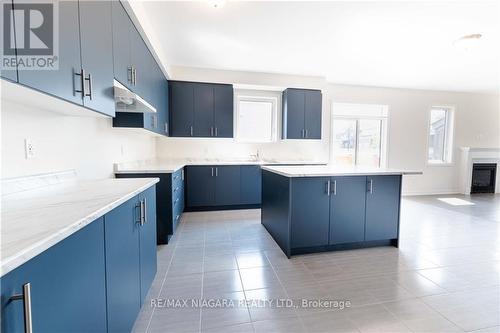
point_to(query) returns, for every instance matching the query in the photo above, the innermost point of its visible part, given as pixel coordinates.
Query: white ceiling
(390, 44)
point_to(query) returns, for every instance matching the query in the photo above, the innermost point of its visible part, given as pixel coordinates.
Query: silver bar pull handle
(212, 169)
(370, 186)
(216, 172)
(130, 75)
(26, 297)
(145, 215)
(216, 134)
(305, 133)
(82, 83)
(327, 190)
(89, 79)
(334, 187)
(191, 130)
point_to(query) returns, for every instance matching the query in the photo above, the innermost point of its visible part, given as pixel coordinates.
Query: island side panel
(275, 211)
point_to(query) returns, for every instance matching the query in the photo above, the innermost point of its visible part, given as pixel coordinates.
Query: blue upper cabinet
(65, 81)
(201, 109)
(67, 286)
(301, 114)
(10, 53)
(122, 63)
(97, 55)
(223, 111)
(382, 207)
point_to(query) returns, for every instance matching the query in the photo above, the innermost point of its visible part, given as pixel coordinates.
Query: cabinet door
(200, 186)
(10, 74)
(67, 286)
(147, 241)
(181, 109)
(121, 44)
(227, 185)
(62, 82)
(347, 209)
(251, 185)
(223, 115)
(203, 110)
(143, 63)
(382, 207)
(313, 105)
(122, 266)
(310, 212)
(293, 114)
(97, 54)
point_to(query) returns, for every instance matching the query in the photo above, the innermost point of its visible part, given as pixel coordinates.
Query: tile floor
(445, 277)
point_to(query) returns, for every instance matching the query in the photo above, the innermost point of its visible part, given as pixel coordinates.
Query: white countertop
(330, 170)
(158, 166)
(36, 219)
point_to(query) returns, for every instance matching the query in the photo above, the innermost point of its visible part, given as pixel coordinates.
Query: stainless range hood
(127, 101)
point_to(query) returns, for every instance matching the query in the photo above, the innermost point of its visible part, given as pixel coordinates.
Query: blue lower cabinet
(67, 286)
(227, 185)
(147, 240)
(310, 214)
(123, 276)
(250, 185)
(382, 207)
(347, 209)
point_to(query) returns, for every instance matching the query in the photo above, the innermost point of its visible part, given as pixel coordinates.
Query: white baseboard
(433, 192)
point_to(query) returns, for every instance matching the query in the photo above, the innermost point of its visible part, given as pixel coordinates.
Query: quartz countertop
(36, 219)
(330, 170)
(158, 166)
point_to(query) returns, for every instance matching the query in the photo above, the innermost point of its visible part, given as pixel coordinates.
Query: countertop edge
(333, 174)
(11, 263)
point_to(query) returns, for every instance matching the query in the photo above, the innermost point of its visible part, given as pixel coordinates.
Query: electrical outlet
(29, 148)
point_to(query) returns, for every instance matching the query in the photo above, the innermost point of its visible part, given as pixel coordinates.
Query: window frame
(244, 95)
(384, 131)
(448, 137)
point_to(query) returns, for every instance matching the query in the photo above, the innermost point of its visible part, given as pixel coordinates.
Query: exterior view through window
(439, 148)
(359, 134)
(257, 117)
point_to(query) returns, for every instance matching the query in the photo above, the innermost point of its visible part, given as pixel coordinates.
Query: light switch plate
(29, 148)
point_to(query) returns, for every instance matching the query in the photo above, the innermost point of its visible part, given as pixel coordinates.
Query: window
(257, 116)
(440, 135)
(359, 134)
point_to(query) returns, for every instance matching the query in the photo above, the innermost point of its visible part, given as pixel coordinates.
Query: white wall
(87, 144)
(477, 124)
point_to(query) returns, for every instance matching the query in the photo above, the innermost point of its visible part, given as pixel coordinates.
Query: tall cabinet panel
(121, 45)
(63, 82)
(223, 111)
(122, 266)
(310, 212)
(147, 240)
(97, 55)
(347, 209)
(312, 114)
(293, 114)
(181, 108)
(382, 207)
(203, 110)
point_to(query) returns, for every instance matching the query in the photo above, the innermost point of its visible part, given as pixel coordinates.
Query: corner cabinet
(200, 109)
(301, 114)
(92, 281)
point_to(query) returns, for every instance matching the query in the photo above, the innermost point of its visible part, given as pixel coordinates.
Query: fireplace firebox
(483, 178)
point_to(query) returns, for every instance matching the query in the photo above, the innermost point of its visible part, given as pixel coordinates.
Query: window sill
(442, 164)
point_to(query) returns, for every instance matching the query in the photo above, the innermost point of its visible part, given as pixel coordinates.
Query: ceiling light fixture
(468, 42)
(216, 3)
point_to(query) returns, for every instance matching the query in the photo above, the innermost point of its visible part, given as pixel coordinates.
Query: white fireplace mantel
(472, 155)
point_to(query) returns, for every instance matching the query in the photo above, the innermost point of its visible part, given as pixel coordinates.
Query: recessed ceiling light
(217, 3)
(468, 42)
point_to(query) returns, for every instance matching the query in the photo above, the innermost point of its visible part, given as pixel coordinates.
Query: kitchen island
(320, 208)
